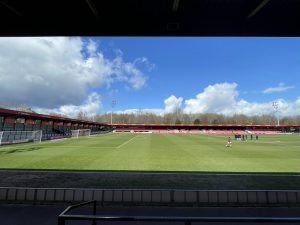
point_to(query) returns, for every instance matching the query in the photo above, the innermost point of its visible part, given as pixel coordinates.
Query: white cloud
(137, 80)
(280, 88)
(91, 106)
(92, 47)
(58, 72)
(223, 98)
(142, 111)
(144, 61)
(172, 104)
(286, 108)
(215, 98)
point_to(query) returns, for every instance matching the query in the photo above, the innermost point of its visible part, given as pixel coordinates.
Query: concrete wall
(155, 197)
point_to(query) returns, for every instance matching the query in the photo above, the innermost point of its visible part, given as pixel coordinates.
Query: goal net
(14, 137)
(81, 132)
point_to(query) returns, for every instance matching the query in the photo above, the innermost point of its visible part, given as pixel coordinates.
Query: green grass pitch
(158, 152)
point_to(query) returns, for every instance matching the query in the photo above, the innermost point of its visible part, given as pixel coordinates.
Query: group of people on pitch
(229, 142)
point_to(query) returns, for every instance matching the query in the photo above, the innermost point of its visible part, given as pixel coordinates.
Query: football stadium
(68, 144)
(140, 112)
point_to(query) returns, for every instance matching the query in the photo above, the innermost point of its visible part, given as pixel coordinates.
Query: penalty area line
(126, 142)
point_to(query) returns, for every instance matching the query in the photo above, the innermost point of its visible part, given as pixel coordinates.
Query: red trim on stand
(202, 125)
(15, 113)
(29, 121)
(10, 120)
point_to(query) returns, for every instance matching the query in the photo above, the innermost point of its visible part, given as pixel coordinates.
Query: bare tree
(24, 108)
(82, 115)
(56, 114)
(179, 117)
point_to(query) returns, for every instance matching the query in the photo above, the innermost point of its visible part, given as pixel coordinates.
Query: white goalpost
(14, 137)
(1, 134)
(81, 132)
(37, 135)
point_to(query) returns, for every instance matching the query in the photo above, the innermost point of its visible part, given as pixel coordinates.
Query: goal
(14, 137)
(81, 132)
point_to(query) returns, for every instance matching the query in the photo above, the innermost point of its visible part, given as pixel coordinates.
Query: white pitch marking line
(78, 146)
(126, 142)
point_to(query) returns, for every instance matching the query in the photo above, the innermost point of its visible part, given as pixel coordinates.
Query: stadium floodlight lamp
(276, 108)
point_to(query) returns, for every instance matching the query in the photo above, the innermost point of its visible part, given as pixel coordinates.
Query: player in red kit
(229, 142)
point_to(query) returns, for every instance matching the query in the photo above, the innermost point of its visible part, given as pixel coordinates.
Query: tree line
(177, 117)
(182, 118)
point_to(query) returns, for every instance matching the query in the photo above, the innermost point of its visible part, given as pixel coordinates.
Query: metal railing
(64, 217)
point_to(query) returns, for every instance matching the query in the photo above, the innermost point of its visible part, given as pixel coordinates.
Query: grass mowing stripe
(158, 152)
(126, 142)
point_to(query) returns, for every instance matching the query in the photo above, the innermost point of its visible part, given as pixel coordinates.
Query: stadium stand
(206, 128)
(265, 131)
(20, 126)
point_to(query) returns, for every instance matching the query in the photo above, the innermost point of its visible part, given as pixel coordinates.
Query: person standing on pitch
(229, 142)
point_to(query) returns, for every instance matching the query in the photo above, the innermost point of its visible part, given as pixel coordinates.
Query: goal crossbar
(80, 132)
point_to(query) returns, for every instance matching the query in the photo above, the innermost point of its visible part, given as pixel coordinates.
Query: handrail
(63, 217)
(77, 205)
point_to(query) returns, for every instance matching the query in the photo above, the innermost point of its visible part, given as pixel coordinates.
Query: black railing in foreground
(63, 217)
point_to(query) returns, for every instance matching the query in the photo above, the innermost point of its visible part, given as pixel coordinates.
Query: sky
(227, 75)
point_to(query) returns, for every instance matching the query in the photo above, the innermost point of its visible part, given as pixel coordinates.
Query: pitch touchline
(126, 142)
(150, 173)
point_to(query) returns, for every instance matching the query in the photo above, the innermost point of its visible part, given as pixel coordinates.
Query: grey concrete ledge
(155, 197)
